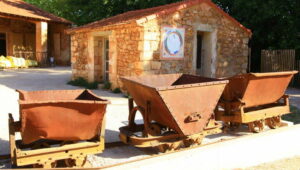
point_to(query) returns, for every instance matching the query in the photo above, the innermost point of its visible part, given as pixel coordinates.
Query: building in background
(193, 36)
(29, 32)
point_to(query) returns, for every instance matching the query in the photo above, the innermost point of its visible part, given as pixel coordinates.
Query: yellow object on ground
(14, 62)
(4, 63)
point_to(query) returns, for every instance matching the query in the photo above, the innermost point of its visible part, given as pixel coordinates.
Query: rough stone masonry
(135, 45)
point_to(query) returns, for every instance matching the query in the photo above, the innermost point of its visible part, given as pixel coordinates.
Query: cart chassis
(74, 153)
(235, 112)
(164, 142)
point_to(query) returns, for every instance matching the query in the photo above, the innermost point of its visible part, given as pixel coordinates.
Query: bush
(107, 85)
(82, 82)
(93, 85)
(117, 90)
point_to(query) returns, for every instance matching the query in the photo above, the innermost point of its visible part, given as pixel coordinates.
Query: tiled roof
(21, 9)
(150, 13)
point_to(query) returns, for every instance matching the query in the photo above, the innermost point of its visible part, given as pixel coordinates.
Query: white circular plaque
(173, 42)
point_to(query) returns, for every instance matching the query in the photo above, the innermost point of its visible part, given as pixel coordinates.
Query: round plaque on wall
(173, 42)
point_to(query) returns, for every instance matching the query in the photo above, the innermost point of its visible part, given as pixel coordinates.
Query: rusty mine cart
(177, 110)
(51, 126)
(255, 99)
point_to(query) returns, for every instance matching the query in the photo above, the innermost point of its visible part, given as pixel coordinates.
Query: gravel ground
(117, 112)
(284, 164)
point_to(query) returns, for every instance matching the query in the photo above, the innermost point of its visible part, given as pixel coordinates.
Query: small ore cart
(57, 125)
(255, 99)
(177, 110)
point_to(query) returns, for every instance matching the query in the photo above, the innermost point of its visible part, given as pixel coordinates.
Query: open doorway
(98, 58)
(101, 59)
(106, 60)
(199, 52)
(2, 44)
(205, 53)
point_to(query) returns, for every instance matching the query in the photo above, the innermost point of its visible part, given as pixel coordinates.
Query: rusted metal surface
(175, 98)
(60, 115)
(255, 99)
(47, 153)
(176, 107)
(256, 89)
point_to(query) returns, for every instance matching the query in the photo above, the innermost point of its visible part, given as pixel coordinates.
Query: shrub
(107, 85)
(82, 82)
(93, 85)
(117, 90)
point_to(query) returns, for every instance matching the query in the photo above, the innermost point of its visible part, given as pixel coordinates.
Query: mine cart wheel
(175, 146)
(234, 125)
(155, 130)
(78, 162)
(256, 126)
(46, 165)
(193, 141)
(163, 148)
(49, 164)
(199, 140)
(167, 147)
(231, 126)
(274, 122)
(188, 142)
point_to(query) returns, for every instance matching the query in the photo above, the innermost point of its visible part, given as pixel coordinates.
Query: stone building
(29, 32)
(191, 36)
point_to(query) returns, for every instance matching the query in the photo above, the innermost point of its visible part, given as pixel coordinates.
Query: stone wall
(124, 54)
(135, 47)
(79, 53)
(232, 42)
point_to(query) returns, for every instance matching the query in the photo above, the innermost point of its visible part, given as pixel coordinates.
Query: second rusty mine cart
(177, 110)
(57, 125)
(255, 99)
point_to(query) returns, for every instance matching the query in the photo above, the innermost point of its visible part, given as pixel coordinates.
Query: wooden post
(90, 58)
(41, 37)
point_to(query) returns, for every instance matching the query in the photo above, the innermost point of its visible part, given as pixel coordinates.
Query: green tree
(85, 11)
(275, 23)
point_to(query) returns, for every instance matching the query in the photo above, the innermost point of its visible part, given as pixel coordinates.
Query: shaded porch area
(30, 39)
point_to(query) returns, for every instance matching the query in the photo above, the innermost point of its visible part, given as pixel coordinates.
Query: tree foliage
(86, 11)
(275, 23)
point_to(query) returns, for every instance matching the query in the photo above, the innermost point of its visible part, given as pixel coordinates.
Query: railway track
(150, 154)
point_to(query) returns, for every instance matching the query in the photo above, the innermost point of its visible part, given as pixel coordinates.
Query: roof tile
(142, 15)
(19, 8)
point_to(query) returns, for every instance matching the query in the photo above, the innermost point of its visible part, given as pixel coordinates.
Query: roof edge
(144, 19)
(63, 19)
(35, 19)
(191, 3)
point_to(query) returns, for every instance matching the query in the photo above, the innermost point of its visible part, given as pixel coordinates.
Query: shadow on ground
(5, 146)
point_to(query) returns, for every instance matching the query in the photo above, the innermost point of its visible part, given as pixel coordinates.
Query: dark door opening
(2, 44)
(199, 50)
(106, 60)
